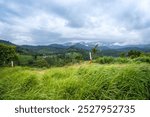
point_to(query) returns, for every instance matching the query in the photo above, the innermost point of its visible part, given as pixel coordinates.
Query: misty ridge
(107, 49)
(71, 53)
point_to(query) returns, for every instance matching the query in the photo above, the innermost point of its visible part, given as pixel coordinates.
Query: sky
(43, 22)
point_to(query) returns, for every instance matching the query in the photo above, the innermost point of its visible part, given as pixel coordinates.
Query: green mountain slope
(80, 48)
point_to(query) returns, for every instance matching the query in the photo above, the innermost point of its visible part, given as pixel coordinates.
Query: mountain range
(107, 49)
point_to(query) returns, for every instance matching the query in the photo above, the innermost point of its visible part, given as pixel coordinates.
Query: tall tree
(7, 54)
(94, 50)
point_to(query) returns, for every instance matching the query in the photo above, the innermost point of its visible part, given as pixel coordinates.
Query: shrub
(122, 60)
(133, 54)
(112, 60)
(105, 60)
(142, 59)
(41, 63)
(25, 60)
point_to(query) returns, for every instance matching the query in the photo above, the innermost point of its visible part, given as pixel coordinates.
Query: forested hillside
(61, 55)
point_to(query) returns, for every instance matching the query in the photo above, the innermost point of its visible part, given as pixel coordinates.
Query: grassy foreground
(94, 81)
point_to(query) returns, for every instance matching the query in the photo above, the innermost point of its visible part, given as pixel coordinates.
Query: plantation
(80, 82)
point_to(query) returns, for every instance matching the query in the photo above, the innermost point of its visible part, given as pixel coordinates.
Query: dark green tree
(41, 63)
(134, 53)
(7, 54)
(95, 50)
(122, 54)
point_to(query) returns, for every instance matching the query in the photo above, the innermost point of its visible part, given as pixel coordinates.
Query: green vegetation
(59, 55)
(145, 59)
(24, 60)
(134, 53)
(7, 54)
(64, 73)
(84, 81)
(112, 60)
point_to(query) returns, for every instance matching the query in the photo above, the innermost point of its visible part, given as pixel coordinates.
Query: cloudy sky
(39, 22)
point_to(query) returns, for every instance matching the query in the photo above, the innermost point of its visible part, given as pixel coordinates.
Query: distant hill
(81, 46)
(105, 49)
(6, 42)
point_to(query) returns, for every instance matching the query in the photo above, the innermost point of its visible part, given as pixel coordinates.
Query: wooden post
(90, 57)
(12, 64)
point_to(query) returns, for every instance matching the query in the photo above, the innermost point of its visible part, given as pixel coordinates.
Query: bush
(142, 59)
(41, 63)
(134, 54)
(112, 60)
(105, 60)
(25, 60)
(122, 60)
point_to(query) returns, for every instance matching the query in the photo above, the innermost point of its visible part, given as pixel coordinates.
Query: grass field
(84, 81)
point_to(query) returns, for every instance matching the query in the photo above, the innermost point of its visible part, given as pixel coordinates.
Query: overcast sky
(58, 21)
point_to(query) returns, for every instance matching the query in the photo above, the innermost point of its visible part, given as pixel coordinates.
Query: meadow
(84, 81)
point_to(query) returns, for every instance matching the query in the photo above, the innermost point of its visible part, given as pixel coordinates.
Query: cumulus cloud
(58, 21)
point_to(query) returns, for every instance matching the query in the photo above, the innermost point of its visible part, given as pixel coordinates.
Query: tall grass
(145, 59)
(112, 60)
(94, 81)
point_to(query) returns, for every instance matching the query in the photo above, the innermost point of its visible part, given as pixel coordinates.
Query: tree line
(8, 54)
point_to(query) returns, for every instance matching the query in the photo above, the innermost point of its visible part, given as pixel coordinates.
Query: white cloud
(118, 21)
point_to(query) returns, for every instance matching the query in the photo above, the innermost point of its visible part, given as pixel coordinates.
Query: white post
(90, 55)
(12, 63)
